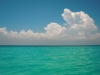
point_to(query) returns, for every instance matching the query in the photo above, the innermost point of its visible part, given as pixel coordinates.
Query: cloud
(80, 29)
(79, 20)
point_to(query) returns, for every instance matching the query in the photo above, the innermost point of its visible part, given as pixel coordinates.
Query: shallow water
(49, 60)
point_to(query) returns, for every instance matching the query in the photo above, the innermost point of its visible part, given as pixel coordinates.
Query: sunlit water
(49, 60)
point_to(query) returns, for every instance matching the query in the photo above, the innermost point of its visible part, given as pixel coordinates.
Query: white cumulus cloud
(80, 30)
(79, 20)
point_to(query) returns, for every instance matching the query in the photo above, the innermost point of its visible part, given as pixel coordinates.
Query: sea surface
(49, 60)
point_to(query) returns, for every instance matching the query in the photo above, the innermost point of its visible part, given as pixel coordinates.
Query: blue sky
(38, 18)
(36, 14)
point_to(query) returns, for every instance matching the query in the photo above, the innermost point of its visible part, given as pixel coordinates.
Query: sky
(49, 22)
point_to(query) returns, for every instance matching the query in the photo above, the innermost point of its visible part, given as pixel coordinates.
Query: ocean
(50, 60)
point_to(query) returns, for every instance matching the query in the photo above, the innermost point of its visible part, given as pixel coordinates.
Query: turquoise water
(49, 60)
